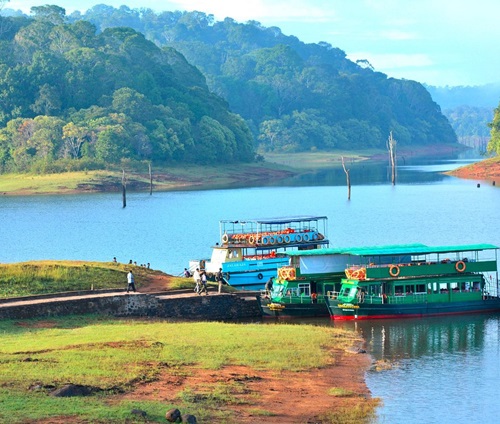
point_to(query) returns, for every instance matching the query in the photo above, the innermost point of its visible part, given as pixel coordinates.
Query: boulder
(173, 415)
(70, 390)
(188, 419)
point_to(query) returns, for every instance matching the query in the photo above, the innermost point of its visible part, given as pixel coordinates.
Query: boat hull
(252, 275)
(346, 312)
(271, 309)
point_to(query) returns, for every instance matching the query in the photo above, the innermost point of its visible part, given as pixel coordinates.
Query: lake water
(446, 370)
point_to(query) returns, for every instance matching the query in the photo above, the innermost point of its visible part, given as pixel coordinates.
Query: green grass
(39, 277)
(116, 355)
(318, 160)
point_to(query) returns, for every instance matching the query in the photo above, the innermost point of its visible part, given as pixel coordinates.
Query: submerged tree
(391, 146)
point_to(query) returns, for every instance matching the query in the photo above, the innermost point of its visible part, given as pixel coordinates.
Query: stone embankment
(180, 304)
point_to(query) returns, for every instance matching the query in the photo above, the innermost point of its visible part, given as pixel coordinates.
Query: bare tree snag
(150, 180)
(348, 177)
(124, 189)
(391, 146)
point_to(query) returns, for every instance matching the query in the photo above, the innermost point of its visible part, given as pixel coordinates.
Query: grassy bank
(40, 277)
(118, 359)
(176, 177)
(184, 177)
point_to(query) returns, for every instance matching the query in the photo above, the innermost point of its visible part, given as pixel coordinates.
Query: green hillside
(295, 96)
(72, 98)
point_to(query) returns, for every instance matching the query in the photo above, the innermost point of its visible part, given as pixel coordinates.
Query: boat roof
(279, 220)
(394, 250)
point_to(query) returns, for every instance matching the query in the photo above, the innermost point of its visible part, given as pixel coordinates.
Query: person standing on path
(130, 281)
(218, 278)
(197, 280)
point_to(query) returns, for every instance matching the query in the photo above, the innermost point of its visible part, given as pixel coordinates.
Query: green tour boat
(417, 281)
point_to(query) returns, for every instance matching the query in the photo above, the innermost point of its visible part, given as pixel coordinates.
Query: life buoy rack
(298, 238)
(279, 239)
(287, 239)
(394, 270)
(272, 240)
(306, 237)
(460, 266)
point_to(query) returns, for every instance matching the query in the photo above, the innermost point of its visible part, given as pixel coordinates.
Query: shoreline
(185, 178)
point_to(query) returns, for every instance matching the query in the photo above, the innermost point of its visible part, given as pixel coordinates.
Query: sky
(435, 42)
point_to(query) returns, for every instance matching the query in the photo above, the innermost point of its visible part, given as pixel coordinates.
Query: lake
(445, 370)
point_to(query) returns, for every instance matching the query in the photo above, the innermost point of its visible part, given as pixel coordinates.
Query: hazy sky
(438, 42)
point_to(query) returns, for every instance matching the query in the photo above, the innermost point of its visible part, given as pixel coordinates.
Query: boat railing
(332, 295)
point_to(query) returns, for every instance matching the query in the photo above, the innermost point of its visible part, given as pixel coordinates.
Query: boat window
(303, 289)
(398, 290)
(374, 289)
(420, 288)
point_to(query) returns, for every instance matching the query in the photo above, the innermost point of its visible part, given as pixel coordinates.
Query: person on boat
(269, 287)
(219, 279)
(197, 280)
(314, 297)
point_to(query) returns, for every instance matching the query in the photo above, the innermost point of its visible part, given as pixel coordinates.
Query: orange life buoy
(460, 266)
(291, 274)
(251, 239)
(394, 270)
(225, 238)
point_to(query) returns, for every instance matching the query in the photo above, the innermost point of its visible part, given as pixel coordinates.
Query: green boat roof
(393, 250)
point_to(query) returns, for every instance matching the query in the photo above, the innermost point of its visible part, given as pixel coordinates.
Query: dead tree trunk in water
(150, 180)
(348, 177)
(124, 189)
(391, 146)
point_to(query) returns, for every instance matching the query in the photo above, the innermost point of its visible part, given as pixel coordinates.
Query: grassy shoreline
(219, 372)
(193, 177)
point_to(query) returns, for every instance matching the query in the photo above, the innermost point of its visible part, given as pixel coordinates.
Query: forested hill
(295, 96)
(72, 98)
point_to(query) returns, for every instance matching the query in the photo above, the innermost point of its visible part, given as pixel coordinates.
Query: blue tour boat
(251, 251)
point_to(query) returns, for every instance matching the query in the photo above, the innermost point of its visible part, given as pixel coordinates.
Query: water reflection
(410, 170)
(415, 338)
(434, 370)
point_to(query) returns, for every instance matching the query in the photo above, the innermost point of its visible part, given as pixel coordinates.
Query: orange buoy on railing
(460, 266)
(394, 270)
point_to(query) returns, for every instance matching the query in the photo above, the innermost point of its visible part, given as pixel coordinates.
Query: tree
(73, 136)
(494, 144)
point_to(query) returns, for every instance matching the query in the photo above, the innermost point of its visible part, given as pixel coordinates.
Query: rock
(70, 390)
(173, 416)
(139, 412)
(188, 419)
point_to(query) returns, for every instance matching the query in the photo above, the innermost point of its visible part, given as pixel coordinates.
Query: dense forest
(71, 98)
(295, 96)
(91, 89)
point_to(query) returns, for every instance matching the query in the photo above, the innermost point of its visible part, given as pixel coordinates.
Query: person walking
(197, 280)
(203, 283)
(130, 281)
(218, 278)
